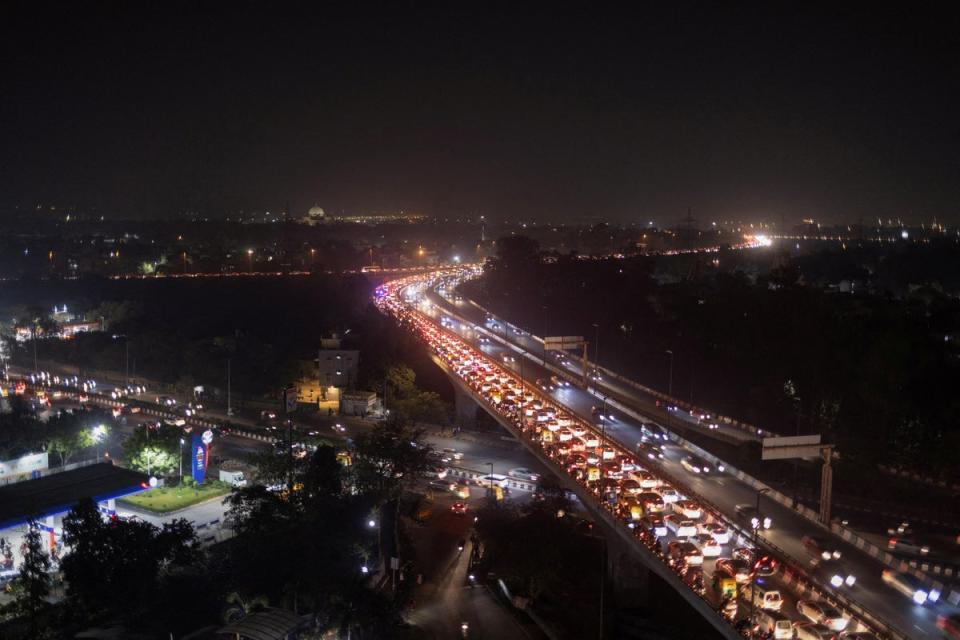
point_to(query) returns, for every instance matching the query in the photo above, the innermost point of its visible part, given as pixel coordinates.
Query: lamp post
(181, 461)
(669, 387)
(596, 345)
(249, 260)
(98, 433)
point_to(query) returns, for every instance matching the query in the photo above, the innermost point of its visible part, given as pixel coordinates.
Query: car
(693, 464)
(651, 501)
(906, 584)
(654, 523)
(506, 357)
(650, 450)
(821, 613)
(688, 508)
(683, 552)
(806, 630)
(525, 474)
(681, 528)
(708, 546)
(669, 494)
(738, 569)
(746, 554)
(459, 508)
(749, 513)
(716, 531)
(906, 545)
(437, 485)
(820, 547)
(339, 428)
(647, 480)
(452, 453)
(765, 566)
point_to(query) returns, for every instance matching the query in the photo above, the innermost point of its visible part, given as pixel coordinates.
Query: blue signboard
(198, 458)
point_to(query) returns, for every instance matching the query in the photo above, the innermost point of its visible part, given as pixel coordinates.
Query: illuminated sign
(199, 458)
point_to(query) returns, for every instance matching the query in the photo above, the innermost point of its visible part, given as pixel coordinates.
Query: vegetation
(63, 436)
(167, 499)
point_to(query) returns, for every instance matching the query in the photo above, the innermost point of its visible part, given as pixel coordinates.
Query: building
(337, 367)
(315, 216)
(358, 403)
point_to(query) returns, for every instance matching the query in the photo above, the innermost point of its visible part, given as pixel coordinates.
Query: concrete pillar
(466, 409)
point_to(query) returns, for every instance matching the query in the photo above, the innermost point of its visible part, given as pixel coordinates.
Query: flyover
(870, 604)
(888, 608)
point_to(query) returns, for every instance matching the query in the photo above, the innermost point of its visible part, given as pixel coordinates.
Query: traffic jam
(710, 555)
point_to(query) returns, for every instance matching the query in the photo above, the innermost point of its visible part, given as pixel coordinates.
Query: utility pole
(229, 408)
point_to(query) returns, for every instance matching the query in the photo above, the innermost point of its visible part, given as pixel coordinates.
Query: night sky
(562, 113)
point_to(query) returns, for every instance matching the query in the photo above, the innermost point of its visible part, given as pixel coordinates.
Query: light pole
(669, 387)
(490, 464)
(229, 408)
(98, 433)
(249, 260)
(181, 461)
(596, 345)
(670, 381)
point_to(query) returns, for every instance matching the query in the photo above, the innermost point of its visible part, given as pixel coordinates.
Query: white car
(822, 613)
(688, 508)
(669, 494)
(709, 547)
(680, 527)
(525, 474)
(716, 531)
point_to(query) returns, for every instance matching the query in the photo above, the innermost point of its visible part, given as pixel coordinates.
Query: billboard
(791, 447)
(557, 343)
(290, 399)
(199, 457)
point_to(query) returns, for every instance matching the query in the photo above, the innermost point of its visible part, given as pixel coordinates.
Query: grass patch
(165, 499)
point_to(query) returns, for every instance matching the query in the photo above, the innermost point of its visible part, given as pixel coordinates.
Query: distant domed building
(315, 215)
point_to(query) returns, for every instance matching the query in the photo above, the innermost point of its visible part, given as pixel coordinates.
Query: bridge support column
(629, 578)
(466, 409)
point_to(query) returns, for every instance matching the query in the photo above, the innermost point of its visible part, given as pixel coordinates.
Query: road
(724, 491)
(447, 597)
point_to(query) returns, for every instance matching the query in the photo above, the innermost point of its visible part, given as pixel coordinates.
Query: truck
(235, 478)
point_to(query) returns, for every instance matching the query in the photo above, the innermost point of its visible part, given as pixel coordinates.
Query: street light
(249, 260)
(181, 461)
(97, 434)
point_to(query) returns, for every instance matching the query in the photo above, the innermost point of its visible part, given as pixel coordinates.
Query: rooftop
(60, 492)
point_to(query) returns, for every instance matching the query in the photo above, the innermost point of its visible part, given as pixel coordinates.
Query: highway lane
(726, 492)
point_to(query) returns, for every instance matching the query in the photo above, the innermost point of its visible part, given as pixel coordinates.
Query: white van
(763, 596)
(776, 623)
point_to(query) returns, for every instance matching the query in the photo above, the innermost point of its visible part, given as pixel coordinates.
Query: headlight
(825, 555)
(851, 580)
(934, 595)
(767, 522)
(721, 468)
(836, 581)
(754, 523)
(836, 555)
(920, 596)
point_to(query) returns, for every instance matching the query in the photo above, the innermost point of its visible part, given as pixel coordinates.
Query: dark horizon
(511, 113)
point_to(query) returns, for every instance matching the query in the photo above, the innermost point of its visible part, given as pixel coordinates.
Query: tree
(68, 434)
(390, 455)
(32, 586)
(116, 567)
(154, 449)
